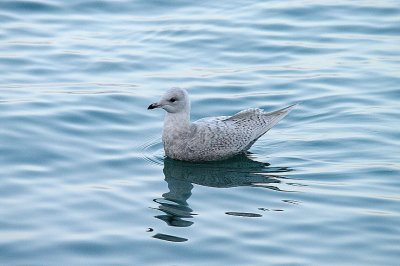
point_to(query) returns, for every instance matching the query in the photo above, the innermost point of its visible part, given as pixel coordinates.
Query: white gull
(211, 138)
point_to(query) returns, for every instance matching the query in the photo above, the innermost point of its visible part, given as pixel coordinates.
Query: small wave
(152, 151)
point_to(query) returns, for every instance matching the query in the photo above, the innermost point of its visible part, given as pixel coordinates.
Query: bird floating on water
(211, 138)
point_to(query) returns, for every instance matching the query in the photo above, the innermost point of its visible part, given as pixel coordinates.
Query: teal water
(83, 178)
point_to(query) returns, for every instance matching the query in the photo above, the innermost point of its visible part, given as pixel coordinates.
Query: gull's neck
(177, 122)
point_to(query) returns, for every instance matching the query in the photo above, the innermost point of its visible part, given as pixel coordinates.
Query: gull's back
(217, 138)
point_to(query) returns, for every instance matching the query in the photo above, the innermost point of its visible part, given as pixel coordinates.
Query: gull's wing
(226, 136)
(258, 120)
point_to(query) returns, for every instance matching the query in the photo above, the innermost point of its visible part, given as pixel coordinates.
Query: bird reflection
(237, 171)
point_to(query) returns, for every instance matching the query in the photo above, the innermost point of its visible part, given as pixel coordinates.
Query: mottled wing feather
(225, 136)
(218, 137)
(245, 114)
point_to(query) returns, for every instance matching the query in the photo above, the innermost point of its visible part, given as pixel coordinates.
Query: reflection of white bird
(211, 138)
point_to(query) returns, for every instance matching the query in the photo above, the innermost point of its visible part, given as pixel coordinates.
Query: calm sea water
(83, 178)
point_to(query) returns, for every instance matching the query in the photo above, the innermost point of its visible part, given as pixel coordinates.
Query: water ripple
(83, 170)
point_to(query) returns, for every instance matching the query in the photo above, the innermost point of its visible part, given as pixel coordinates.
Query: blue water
(83, 178)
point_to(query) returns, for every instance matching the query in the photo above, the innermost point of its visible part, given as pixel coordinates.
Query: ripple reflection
(237, 171)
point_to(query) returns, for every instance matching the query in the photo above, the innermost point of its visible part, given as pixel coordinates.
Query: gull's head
(174, 100)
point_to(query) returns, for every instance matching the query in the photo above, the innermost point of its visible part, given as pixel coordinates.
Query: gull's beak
(153, 105)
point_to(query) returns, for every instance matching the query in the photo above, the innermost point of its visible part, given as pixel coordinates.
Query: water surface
(83, 176)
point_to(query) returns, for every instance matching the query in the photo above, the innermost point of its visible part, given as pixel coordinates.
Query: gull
(211, 138)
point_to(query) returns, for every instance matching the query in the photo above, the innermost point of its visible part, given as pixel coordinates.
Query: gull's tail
(272, 118)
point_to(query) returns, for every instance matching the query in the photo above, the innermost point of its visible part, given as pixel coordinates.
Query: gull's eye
(172, 100)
